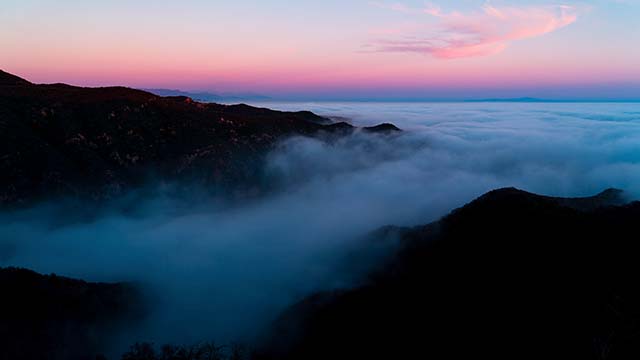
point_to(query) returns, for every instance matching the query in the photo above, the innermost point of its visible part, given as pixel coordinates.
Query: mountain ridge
(63, 140)
(7, 79)
(510, 275)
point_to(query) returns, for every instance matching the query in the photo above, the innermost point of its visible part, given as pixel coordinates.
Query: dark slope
(7, 79)
(511, 275)
(52, 317)
(382, 128)
(65, 140)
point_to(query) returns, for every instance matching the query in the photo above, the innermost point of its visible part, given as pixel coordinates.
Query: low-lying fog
(224, 271)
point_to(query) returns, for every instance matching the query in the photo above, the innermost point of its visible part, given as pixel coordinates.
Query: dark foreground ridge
(53, 317)
(61, 140)
(512, 275)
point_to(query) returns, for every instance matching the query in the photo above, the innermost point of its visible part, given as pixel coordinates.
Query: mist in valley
(224, 269)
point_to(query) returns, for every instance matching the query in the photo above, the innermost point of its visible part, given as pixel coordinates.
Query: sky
(331, 49)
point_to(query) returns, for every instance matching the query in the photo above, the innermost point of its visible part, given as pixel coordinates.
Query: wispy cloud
(483, 32)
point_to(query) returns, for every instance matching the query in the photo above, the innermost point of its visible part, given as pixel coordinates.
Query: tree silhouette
(201, 351)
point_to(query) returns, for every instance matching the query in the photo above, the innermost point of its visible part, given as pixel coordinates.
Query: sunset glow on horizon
(359, 48)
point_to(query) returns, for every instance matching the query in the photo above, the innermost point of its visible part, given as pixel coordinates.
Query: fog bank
(223, 271)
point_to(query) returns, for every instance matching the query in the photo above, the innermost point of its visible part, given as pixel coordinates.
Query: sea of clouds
(223, 271)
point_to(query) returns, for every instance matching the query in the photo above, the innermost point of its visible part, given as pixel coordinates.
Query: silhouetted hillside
(7, 79)
(65, 140)
(52, 317)
(511, 275)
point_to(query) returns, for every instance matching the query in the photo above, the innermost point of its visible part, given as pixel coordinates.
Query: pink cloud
(480, 33)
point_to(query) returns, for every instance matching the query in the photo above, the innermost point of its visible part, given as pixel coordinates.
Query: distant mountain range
(521, 99)
(538, 100)
(210, 97)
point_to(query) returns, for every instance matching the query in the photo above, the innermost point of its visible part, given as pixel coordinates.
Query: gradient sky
(331, 48)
